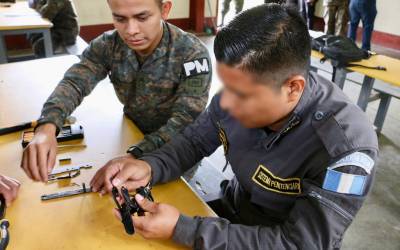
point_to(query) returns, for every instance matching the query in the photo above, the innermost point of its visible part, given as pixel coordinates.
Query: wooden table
(86, 221)
(20, 19)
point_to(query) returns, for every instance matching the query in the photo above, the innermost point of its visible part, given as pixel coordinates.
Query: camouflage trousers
(336, 17)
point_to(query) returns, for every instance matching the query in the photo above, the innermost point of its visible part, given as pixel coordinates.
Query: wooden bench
(386, 88)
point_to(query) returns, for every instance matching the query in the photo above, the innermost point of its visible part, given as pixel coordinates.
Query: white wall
(92, 12)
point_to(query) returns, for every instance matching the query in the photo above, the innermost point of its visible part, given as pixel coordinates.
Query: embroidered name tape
(269, 181)
(196, 67)
(345, 183)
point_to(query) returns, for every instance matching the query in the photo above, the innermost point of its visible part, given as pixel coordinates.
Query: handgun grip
(127, 221)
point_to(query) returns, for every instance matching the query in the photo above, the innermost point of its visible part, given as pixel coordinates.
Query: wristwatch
(135, 151)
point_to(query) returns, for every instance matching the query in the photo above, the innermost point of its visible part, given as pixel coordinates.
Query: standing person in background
(225, 8)
(364, 10)
(336, 17)
(65, 24)
(310, 13)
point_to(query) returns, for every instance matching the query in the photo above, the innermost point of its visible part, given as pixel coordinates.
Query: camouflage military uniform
(65, 25)
(336, 17)
(161, 95)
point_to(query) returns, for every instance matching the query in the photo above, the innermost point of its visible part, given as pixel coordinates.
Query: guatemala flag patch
(345, 183)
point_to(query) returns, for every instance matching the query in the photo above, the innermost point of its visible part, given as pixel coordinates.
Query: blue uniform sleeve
(318, 220)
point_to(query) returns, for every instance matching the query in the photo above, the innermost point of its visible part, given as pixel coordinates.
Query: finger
(42, 163)
(25, 164)
(94, 178)
(110, 174)
(140, 222)
(32, 164)
(131, 185)
(97, 181)
(103, 191)
(146, 204)
(51, 159)
(13, 188)
(13, 180)
(122, 176)
(6, 192)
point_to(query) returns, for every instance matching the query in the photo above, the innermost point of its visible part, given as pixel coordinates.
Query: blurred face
(258, 104)
(139, 22)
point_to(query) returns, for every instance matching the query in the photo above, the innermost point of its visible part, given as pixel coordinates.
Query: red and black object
(67, 133)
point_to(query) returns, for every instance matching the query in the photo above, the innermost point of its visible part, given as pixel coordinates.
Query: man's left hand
(158, 223)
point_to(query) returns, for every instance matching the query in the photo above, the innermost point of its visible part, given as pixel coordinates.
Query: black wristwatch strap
(135, 151)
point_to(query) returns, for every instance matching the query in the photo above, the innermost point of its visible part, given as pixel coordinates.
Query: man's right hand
(39, 156)
(122, 171)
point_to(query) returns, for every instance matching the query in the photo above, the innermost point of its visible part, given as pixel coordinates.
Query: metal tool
(69, 193)
(4, 224)
(70, 172)
(31, 124)
(72, 146)
(63, 170)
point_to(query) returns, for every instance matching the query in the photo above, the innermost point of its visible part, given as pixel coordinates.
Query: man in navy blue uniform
(302, 153)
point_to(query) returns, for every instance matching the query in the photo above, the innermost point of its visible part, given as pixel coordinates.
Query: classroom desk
(20, 19)
(390, 76)
(85, 221)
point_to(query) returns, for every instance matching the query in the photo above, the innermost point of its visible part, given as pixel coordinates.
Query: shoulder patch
(269, 181)
(196, 67)
(345, 183)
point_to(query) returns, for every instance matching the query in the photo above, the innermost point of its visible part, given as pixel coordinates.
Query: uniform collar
(296, 117)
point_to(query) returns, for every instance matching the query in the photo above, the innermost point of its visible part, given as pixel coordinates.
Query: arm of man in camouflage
(77, 83)
(51, 8)
(192, 98)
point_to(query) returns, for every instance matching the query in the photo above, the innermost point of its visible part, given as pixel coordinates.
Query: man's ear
(166, 9)
(294, 87)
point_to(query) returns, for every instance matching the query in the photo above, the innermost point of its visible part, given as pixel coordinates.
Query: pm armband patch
(196, 67)
(269, 181)
(346, 183)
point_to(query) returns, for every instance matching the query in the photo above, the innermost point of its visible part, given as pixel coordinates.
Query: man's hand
(159, 221)
(39, 156)
(9, 188)
(123, 171)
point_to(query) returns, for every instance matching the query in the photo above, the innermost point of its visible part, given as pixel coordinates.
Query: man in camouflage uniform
(336, 17)
(65, 24)
(226, 5)
(160, 73)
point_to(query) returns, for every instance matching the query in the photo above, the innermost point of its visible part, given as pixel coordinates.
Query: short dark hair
(271, 41)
